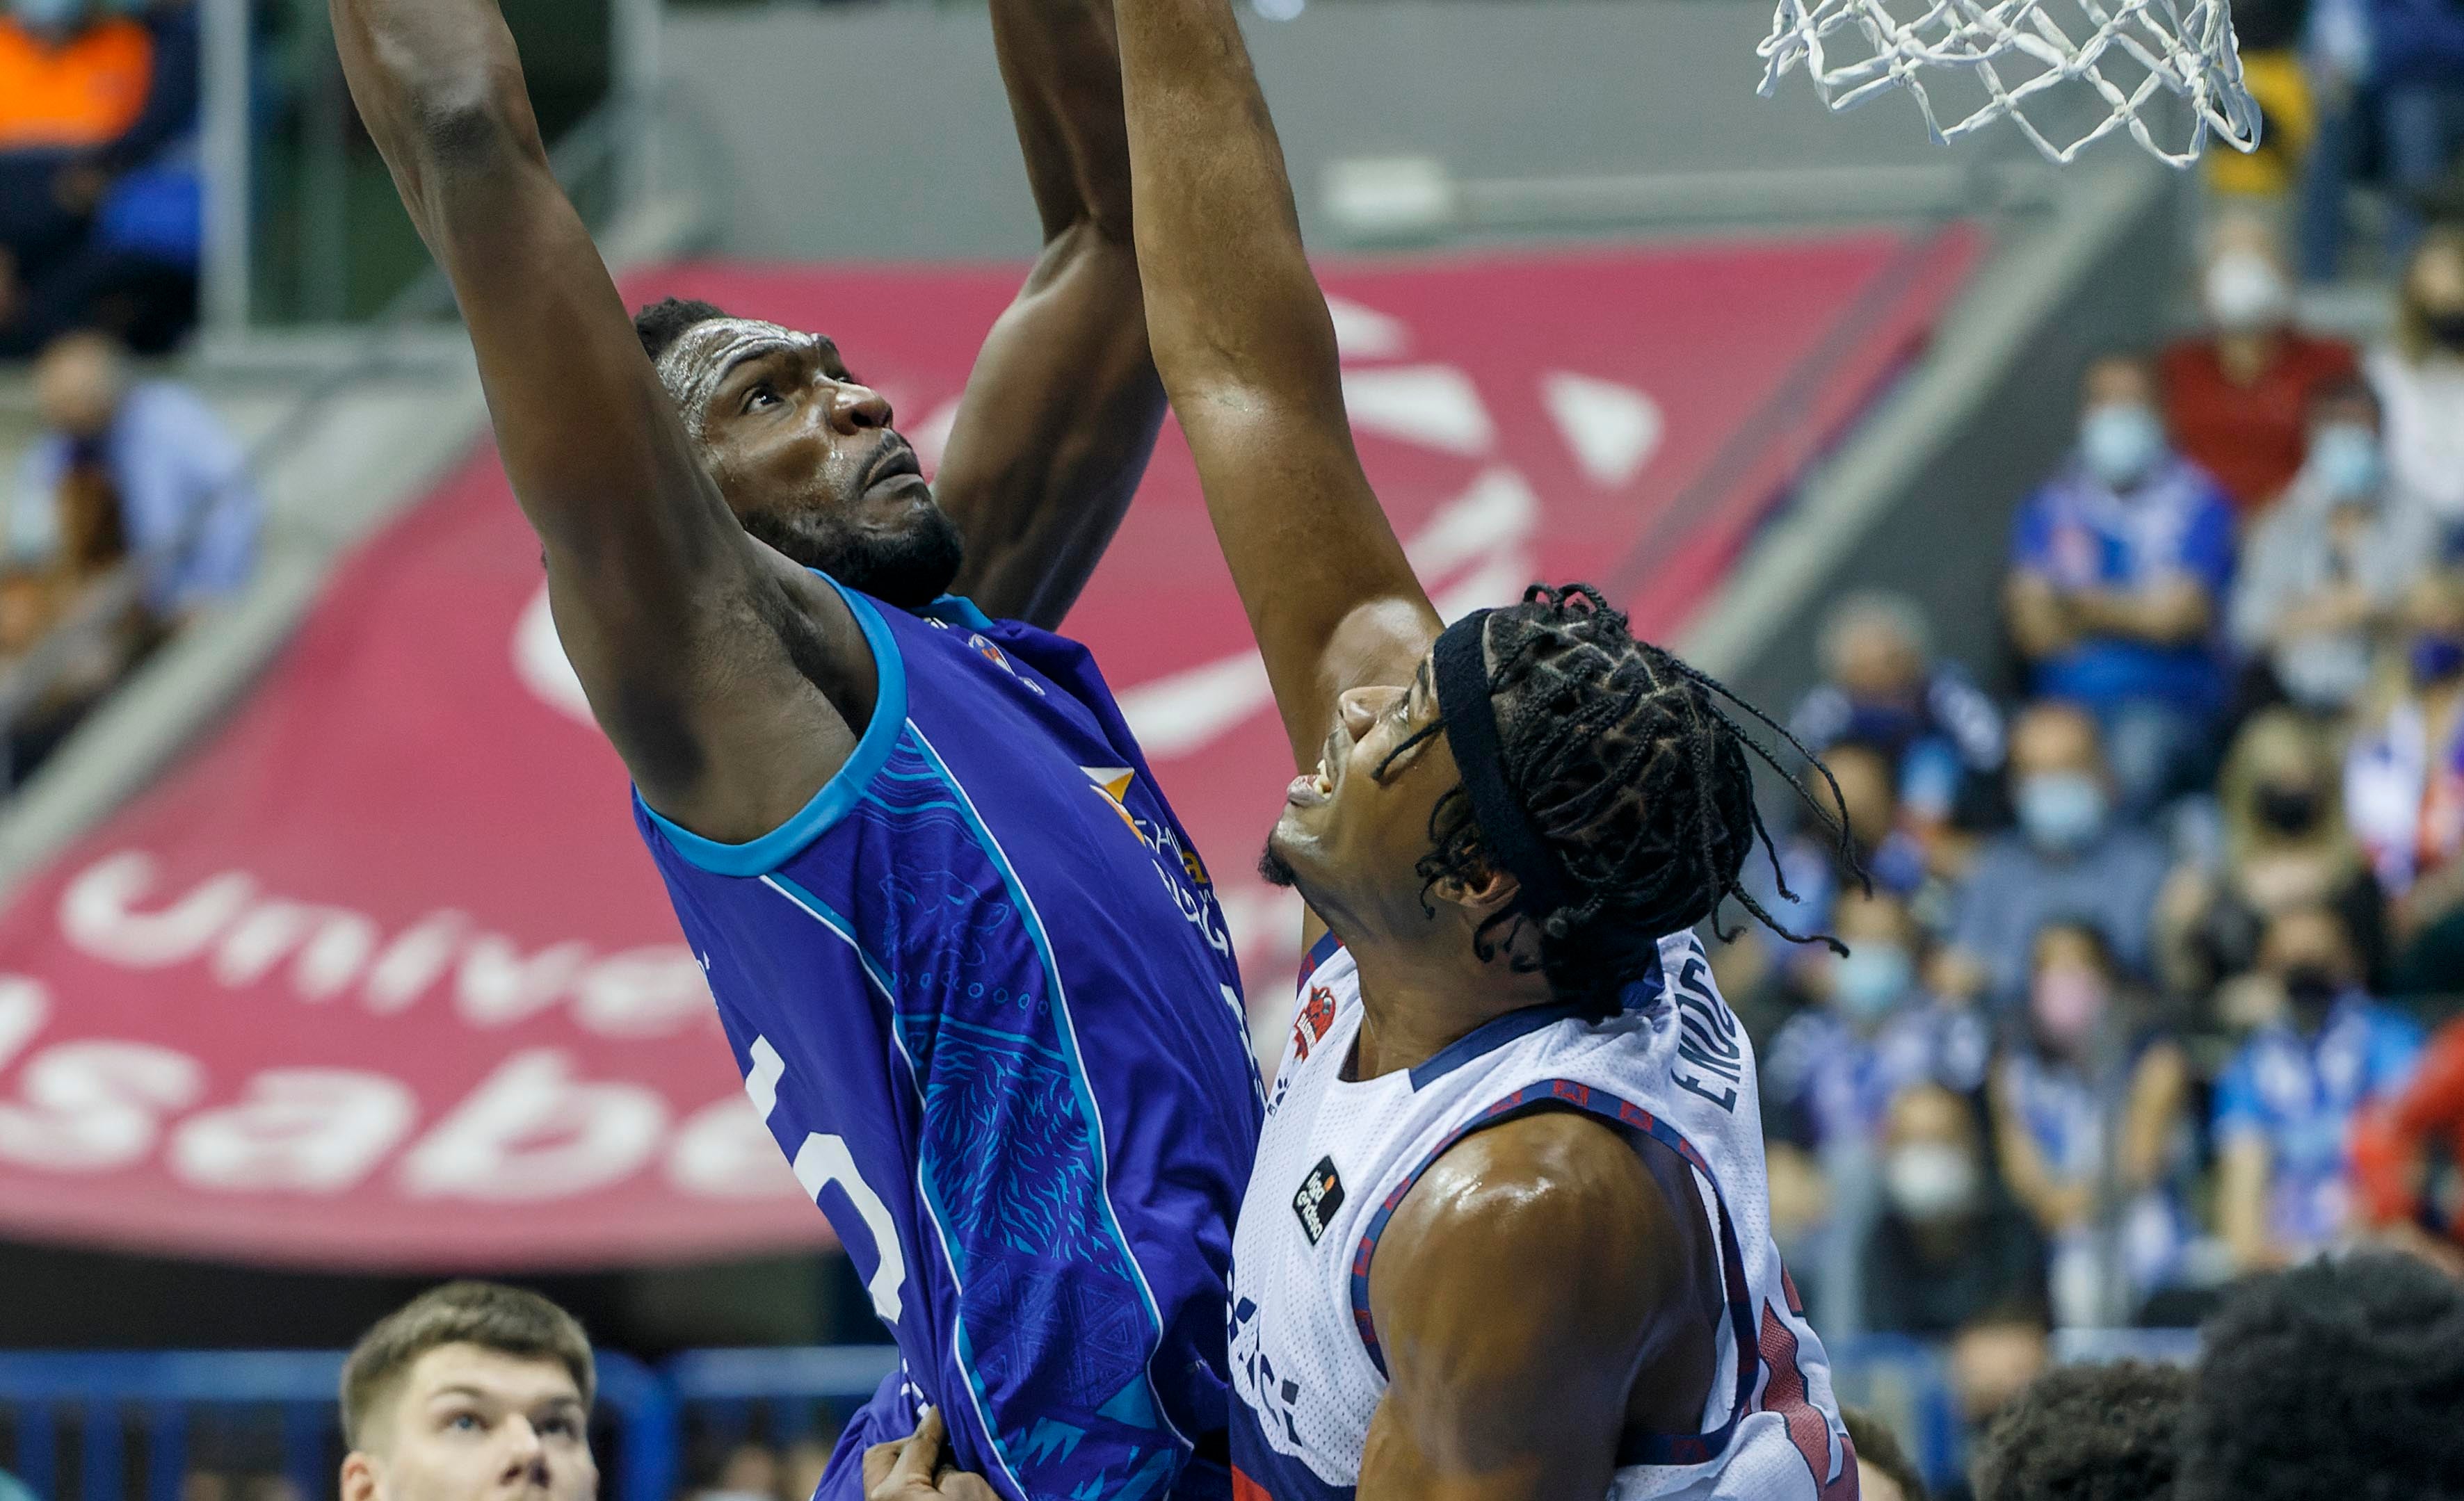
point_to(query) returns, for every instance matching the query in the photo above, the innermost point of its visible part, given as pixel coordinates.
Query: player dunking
(1508, 1233)
(976, 978)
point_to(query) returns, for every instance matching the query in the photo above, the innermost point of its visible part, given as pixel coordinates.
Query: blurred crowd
(101, 209)
(133, 506)
(2137, 998)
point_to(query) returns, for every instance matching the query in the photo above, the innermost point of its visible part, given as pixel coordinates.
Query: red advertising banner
(379, 975)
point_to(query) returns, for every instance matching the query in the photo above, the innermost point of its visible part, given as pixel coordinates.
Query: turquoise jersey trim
(959, 610)
(783, 843)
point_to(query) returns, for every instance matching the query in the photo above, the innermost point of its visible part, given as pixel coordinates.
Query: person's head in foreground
(470, 1392)
(2342, 1380)
(1884, 1473)
(2088, 1433)
(1545, 790)
(803, 452)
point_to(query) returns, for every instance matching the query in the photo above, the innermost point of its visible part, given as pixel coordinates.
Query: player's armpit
(1525, 1282)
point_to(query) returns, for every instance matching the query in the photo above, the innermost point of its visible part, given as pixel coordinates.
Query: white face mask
(2244, 293)
(1931, 1180)
(2345, 456)
(2121, 442)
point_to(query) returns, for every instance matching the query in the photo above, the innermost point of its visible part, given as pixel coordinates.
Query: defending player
(1506, 1237)
(977, 980)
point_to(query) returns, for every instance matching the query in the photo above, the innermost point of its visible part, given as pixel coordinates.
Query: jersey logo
(1316, 1016)
(993, 654)
(1320, 1196)
(1113, 782)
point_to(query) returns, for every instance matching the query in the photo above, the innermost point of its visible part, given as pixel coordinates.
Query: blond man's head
(470, 1392)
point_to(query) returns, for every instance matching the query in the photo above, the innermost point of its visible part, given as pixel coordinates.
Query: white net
(2045, 64)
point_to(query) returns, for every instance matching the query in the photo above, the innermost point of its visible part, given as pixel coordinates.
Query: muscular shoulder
(1552, 1217)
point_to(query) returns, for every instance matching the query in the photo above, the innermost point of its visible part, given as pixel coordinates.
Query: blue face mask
(2120, 443)
(2345, 456)
(2437, 657)
(1871, 980)
(2061, 811)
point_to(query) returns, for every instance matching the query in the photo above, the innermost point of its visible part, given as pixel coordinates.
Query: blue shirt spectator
(2284, 1107)
(189, 508)
(1882, 688)
(2070, 858)
(2120, 567)
(1833, 1074)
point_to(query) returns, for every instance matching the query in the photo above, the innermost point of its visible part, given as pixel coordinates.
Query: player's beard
(1275, 870)
(909, 569)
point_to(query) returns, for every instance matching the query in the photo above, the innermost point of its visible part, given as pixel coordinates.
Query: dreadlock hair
(1636, 779)
(663, 323)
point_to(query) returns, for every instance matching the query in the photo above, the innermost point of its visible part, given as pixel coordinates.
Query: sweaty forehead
(700, 360)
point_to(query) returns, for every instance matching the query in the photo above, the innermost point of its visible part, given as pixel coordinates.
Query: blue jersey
(981, 991)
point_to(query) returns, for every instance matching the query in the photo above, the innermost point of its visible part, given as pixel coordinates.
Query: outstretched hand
(910, 1468)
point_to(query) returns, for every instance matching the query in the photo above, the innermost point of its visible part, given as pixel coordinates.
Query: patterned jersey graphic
(985, 958)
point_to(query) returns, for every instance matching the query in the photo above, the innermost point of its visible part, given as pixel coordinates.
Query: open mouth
(896, 460)
(1311, 789)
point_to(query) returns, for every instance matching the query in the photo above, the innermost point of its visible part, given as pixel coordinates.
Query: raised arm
(1061, 409)
(678, 623)
(1246, 350)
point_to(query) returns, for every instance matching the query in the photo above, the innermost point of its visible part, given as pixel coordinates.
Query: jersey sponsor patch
(1320, 1196)
(1316, 1015)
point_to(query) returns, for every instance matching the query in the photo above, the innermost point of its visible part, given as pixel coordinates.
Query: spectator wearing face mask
(2069, 857)
(2086, 1054)
(2323, 573)
(2286, 845)
(1882, 688)
(1951, 1257)
(2419, 376)
(2403, 794)
(1831, 1074)
(2286, 1106)
(2119, 568)
(2236, 396)
(1768, 981)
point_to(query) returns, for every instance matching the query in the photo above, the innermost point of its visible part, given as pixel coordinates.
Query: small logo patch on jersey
(1321, 1195)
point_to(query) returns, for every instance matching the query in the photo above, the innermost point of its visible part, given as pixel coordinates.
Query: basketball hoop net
(2021, 56)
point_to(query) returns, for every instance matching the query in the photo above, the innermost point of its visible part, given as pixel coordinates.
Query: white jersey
(1338, 1155)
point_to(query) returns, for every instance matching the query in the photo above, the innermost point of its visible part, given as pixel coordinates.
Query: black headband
(1460, 662)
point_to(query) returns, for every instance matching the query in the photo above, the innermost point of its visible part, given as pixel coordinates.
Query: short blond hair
(504, 1320)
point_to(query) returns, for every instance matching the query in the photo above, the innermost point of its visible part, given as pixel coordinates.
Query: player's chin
(898, 503)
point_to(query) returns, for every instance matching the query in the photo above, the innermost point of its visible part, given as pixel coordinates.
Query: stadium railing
(703, 1402)
(778, 1397)
(172, 1397)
